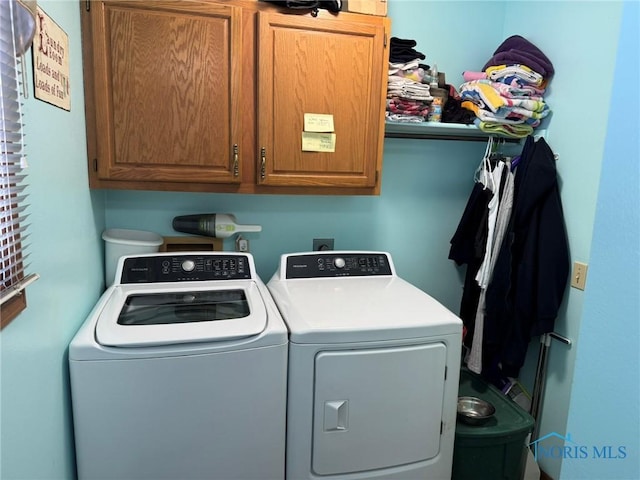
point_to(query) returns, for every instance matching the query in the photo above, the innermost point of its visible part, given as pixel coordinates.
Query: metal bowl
(474, 410)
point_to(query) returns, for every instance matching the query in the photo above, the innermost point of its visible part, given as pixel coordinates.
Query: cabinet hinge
(385, 40)
(95, 164)
(441, 427)
(87, 5)
(445, 373)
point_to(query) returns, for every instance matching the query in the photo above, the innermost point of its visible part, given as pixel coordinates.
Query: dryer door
(138, 316)
(377, 408)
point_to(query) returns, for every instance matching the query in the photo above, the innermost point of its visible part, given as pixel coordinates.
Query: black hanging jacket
(532, 268)
(468, 247)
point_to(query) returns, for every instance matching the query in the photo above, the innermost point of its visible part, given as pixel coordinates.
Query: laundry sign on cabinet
(51, 62)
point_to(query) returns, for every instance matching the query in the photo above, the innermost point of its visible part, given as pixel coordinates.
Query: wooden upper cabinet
(166, 78)
(210, 96)
(323, 65)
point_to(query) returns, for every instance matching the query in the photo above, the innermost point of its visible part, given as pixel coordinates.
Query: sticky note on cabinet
(318, 142)
(318, 122)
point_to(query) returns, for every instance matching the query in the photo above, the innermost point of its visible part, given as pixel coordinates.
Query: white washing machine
(373, 370)
(180, 372)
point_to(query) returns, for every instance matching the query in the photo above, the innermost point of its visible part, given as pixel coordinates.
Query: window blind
(16, 32)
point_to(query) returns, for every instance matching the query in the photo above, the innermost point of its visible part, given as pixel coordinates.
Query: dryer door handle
(336, 415)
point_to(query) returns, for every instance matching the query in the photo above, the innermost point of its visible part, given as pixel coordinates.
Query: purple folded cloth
(517, 49)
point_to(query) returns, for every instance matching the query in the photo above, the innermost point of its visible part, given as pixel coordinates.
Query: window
(17, 25)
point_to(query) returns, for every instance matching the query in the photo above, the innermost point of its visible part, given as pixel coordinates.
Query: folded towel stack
(507, 97)
(408, 95)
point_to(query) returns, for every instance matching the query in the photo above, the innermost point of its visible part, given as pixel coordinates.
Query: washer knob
(188, 265)
(339, 262)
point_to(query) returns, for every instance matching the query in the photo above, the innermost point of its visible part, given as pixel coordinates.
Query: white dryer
(373, 370)
(179, 372)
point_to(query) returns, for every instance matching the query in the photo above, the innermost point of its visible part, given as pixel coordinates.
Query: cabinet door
(167, 90)
(334, 66)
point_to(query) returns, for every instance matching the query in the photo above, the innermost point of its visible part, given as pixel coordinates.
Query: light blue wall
(605, 397)
(66, 220)
(425, 185)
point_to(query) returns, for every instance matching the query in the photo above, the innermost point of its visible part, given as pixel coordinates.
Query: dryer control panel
(338, 264)
(185, 268)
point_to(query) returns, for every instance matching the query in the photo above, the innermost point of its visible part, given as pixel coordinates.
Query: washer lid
(342, 310)
(147, 315)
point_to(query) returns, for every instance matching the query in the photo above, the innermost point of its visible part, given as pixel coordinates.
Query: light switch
(579, 275)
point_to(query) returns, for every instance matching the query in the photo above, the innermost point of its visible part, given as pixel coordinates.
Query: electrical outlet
(579, 275)
(242, 244)
(322, 244)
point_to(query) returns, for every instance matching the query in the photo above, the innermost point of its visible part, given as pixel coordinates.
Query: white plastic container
(119, 242)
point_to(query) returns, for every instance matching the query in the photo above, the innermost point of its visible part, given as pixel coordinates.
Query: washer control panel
(338, 264)
(185, 268)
